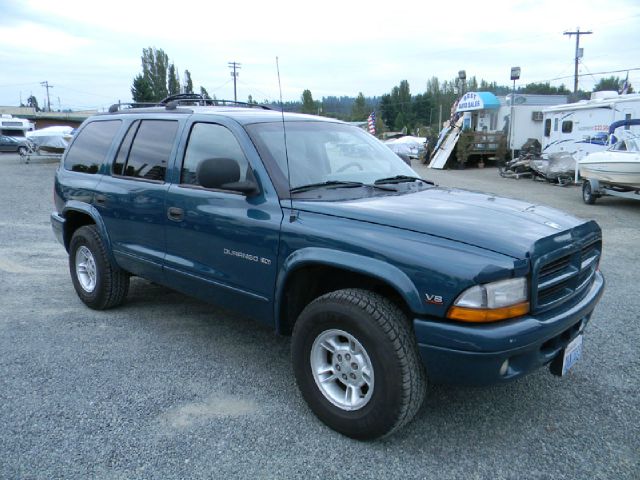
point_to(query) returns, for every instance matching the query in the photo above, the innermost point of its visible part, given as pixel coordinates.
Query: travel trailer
(582, 127)
(14, 127)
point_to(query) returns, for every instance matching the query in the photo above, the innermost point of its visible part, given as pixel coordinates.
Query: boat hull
(624, 172)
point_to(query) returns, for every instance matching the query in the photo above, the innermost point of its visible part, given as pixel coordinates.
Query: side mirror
(223, 174)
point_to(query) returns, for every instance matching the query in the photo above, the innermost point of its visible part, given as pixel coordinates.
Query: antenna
(292, 216)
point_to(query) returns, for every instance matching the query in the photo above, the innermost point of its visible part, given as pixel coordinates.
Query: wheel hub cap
(86, 269)
(342, 369)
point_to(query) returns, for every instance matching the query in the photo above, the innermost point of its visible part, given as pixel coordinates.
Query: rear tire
(22, 151)
(99, 283)
(587, 195)
(356, 363)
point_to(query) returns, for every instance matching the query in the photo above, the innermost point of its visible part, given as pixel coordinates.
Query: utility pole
(578, 55)
(46, 85)
(235, 66)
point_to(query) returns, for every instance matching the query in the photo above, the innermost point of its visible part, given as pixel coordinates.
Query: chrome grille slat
(563, 278)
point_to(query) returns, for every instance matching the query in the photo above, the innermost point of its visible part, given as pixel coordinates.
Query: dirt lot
(169, 387)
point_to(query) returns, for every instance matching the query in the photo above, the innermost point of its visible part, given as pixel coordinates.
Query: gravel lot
(168, 387)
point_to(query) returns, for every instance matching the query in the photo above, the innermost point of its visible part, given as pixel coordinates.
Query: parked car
(315, 228)
(11, 144)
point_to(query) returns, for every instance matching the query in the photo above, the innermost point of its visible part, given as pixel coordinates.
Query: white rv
(14, 127)
(582, 127)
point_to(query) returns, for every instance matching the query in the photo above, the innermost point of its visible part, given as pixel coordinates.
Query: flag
(372, 123)
(625, 85)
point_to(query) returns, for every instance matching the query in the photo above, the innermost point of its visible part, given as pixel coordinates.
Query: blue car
(385, 281)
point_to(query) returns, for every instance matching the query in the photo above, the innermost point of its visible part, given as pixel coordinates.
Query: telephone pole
(235, 66)
(46, 85)
(577, 33)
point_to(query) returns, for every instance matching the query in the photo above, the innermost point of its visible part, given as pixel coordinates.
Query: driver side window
(206, 141)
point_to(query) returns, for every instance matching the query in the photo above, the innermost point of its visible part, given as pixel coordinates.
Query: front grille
(558, 278)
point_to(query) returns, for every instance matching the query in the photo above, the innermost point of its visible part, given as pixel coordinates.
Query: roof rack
(173, 101)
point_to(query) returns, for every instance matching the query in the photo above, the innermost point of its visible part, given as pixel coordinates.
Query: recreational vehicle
(582, 127)
(14, 127)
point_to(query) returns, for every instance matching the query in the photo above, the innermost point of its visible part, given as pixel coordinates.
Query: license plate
(571, 354)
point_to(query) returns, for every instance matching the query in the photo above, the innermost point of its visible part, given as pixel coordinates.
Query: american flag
(625, 86)
(372, 123)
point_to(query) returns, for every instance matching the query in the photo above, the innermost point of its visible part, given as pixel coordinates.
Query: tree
(544, 88)
(308, 104)
(188, 84)
(142, 90)
(611, 83)
(173, 84)
(359, 109)
(204, 93)
(251, 101)
(155, 64)
(32, 102)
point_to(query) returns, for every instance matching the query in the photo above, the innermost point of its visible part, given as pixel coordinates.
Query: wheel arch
(78, 214)
(308, 273)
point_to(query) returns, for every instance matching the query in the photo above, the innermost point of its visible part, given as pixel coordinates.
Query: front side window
(150, 151)
(210, 140)
(89, 150)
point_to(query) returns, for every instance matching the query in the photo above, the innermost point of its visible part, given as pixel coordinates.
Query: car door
(132, 199)
(221, 244)
(8, 144)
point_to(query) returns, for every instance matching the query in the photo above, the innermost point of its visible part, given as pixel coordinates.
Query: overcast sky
(90, 51)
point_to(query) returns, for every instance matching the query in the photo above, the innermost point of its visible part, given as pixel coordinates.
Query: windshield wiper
(336, 184)
(401, 179)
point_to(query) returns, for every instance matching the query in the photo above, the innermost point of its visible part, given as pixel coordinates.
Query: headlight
(491, 301)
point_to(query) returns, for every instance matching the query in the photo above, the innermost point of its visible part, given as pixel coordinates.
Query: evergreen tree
(188, 84)
(204, 93)
(308, 104)
(142, 90)
(32, 102)
(359, 110)
(173, 84)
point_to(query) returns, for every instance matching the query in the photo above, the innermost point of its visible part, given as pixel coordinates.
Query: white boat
(52, 139)
(618, 165)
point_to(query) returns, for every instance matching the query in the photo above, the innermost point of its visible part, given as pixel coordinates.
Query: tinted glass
(209, 140)
(547, 127)
(567, 126)
(89, 150)
(324, 152)
(151, 148)
(125, 146)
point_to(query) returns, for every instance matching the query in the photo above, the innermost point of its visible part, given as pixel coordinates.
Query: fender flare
(361, 264)
(91, 211)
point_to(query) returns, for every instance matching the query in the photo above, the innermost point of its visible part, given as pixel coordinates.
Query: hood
(504, 225)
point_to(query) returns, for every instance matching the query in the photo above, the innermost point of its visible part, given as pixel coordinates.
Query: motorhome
(11, 126)
(582, 127)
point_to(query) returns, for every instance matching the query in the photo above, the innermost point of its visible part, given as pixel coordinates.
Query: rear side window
(547, 127)
(149, 152)
(89, 150)
(567, 126)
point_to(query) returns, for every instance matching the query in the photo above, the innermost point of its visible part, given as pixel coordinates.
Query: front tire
(22, 151)
(356, 363)
(98, 282)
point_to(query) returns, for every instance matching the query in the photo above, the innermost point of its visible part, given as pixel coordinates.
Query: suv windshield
(324, 153)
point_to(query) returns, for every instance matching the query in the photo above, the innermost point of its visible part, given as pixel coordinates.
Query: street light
(462, 76)
(515, 75)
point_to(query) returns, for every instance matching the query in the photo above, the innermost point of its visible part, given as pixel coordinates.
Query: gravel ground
(168, 387)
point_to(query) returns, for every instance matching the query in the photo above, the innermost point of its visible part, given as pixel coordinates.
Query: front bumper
(458, 353)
